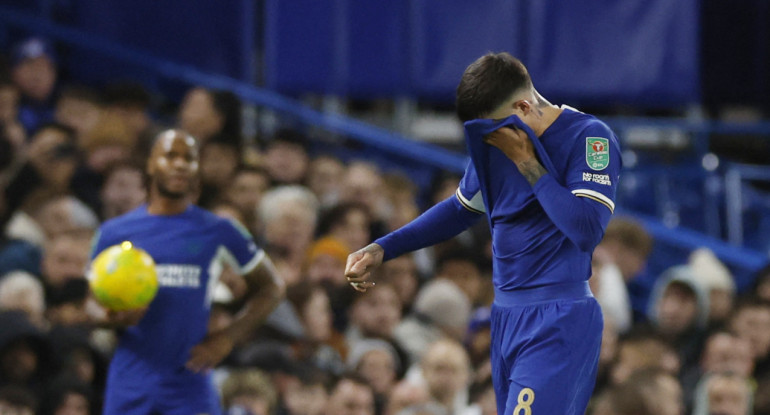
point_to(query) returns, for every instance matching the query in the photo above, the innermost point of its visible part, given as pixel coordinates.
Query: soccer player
(545, 178)
(162, 362)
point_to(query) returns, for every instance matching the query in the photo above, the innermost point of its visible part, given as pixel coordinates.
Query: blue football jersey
(582, 154)
(190, 250)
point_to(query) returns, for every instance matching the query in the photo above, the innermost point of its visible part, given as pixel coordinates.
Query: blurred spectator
(218, 161)
(15, 400)
(461, 266)
(483, 399)
(646, 392)
(306, 395)
(67, 396)
(363, 184)
(762, 283)
(286, 157)
(406, 394)
(714, 276)
(723, 352)
(289, 215)
(401, 273)
(641, 349)
(724, 393)
(67, 304)
(9, 99)
(608, 354)
(347, 222)
(107, 144)
(123, 190)
(440, 310)
(34, 71)
(751, 321)
(206, 114)
(24, 353)
(628, 245)
(78, 107)
(249, 390)
(610, 290)
(679, 312)
(326, 263)
(376, 361)
(324, 178)
(351, 395)
(322, 346)
(52, 158)
(65, 258)
(131, 102)
(245, 191)
(402, 197)
(21, 291)
(445, 370)
(374, 314)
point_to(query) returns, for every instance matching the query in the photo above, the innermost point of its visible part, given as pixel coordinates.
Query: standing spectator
(34, 71)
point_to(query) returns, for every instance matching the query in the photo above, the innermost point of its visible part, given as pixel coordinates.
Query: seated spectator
(245, 192)
(123, 190)
(401, 273)
(35, 72)
(610, 290)
(628, 246)
(378, 362)
(306, 395)
(646, 392)
(21, 291)
(218, 161)
(65, 257)
(750, 320)
(131, 102)
(445, 370)
(714, 276)
(724, 393)
(462, 267)
(67, 303)
(347, 222)
(206, 114)
(642, 349)
(440, 310)
(249, 391)
(351, 395)
(67, 396)
(80, 108)
(321, 346)
(289, 215)
(24, 353)
(363, 184)
(402, 197)
(286, 157)
(15, 400)
(679, 309)
(324, 178)
(374, 314)
(762, 283)
(325, 263)
(404, 395)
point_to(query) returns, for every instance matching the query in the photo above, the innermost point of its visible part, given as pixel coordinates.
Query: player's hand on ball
(514, 143)
(208, 353)
(360, 265)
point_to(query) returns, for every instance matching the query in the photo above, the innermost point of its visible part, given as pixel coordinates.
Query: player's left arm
(265, 290)
(582, 209)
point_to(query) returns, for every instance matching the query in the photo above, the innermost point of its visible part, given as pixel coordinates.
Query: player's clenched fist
(360, 264)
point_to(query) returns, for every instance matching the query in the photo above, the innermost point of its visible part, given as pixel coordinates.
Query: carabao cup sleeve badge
(597, 153)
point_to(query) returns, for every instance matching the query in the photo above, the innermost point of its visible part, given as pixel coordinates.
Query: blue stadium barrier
(744, 262)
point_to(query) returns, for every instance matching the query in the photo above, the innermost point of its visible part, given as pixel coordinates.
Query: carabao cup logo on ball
(123, 277)
(597, 152)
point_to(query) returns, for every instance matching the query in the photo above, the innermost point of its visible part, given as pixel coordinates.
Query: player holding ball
(162, 361)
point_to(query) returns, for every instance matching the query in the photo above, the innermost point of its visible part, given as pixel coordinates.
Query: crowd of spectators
(72, 156)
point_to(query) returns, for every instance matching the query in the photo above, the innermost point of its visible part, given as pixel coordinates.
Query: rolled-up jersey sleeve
(241, 252)
(469, 191)
(594, 167)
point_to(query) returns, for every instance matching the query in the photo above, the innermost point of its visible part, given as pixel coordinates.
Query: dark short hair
(488, 82)
(631, 234)
(80, 93)
(130, 94)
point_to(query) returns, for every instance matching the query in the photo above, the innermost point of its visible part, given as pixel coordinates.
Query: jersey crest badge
(597, 153)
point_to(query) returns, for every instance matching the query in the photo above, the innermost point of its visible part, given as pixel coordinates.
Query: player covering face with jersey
(544, 177)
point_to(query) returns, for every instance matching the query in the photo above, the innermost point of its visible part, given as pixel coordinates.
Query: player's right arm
(441, 222)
